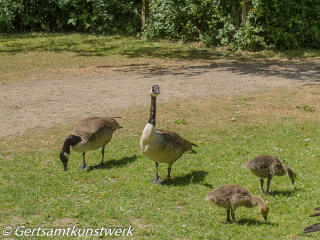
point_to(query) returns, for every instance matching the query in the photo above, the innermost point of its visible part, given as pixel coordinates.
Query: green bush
(277, 24)
(102, 16)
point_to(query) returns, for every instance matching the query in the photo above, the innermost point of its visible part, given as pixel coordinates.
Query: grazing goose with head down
(232, 196)
(89, 134)
(268, 166)
(161, 146)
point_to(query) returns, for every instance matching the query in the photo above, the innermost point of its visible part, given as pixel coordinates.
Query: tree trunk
(245, 10)
(145, 11)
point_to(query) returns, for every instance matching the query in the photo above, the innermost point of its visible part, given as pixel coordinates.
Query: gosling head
(155, 90)
(64, 157)
(264, 210)
(115, 124)
(292, 174)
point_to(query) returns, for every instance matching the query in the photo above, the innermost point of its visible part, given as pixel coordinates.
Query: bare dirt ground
(72, 94)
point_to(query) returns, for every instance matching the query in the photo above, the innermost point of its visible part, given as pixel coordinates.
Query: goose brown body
(232, 196)
(89, 134)
(165, 146)
(266, 166)
(161, 146)
(95, 132)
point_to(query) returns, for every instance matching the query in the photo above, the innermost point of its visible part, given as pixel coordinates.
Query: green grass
(23, 55)
(36, 192)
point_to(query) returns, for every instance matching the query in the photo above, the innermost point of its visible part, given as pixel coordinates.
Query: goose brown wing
(90, 127)
(175, 139)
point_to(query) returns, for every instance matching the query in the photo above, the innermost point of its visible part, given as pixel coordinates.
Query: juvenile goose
(232, 196)
(89, 134)
(267, 167)
(315, 227)
(161, 146)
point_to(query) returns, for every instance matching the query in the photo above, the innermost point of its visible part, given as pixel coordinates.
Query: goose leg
(168, 176)
(261, 184)
(157, 178)
(102, 153)
(233, 215)
(84, 165)
(268, 185)
(228, 215)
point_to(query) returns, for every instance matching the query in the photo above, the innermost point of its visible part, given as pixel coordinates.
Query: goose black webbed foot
(158, 180)
(84, 166)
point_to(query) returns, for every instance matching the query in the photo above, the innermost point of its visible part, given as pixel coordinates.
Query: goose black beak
(65, 166)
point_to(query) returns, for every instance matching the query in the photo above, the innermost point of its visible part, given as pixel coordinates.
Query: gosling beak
(292, 182)
(265, 217)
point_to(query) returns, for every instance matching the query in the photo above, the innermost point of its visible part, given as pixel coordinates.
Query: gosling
(268, 166)
(232, 196)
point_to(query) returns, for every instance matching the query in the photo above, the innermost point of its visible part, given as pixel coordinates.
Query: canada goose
(232, 196)
(267, 167)
(161, 146)
(315, 227)
(89, 134)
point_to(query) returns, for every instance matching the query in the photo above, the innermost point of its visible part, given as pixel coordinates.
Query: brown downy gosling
(232, 196)
(315, 227)
(268, 166)
(89, 134)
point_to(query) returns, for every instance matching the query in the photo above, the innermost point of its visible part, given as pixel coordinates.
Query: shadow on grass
(305, 72)
(191, 178)
(286, 193)
(253, 222)
(114, 163)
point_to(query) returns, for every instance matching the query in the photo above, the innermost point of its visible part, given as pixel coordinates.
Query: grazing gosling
(89, 134)
(232, 196)
(315, 227)
(161, 146)
(268, 166)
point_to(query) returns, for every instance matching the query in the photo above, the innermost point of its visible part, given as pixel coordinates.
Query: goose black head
(71, 140)
(64, 157)
(155, 90)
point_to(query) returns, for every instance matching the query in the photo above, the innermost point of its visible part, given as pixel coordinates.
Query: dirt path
(102, 90)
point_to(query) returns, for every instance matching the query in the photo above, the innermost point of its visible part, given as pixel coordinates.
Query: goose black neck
(152, 119)
(70, 141)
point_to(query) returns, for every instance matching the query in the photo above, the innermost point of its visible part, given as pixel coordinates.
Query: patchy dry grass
(36, 192)
(22, 56)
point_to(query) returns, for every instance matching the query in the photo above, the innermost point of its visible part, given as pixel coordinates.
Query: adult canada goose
(268, 166)
(232, 196)
(161, 146)
(315, 227)
(89, 134)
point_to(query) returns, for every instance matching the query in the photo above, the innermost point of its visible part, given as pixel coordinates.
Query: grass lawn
(36, 192)
(23, 55)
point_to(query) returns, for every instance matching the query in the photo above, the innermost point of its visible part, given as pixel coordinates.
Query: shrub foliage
(272, 24)
(277, 24)
(103, 16)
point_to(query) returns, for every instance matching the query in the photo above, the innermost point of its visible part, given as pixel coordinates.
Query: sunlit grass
(23, 56)
(35, 191)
